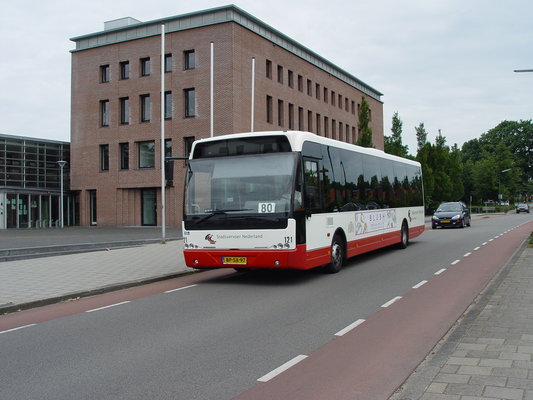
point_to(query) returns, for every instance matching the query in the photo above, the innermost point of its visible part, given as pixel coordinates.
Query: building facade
(116, 104)
(30, 183)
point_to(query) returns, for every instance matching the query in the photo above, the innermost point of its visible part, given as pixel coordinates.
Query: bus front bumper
(276, 259)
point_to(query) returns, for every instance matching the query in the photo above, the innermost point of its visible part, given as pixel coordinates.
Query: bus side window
(312, 190)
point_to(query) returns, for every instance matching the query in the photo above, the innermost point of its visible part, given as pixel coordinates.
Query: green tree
(365, 132)
(421, 136)
(393, 143)
(512, 143)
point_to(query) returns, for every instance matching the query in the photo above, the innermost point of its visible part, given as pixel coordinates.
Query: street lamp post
(499, 183)
(61, 166)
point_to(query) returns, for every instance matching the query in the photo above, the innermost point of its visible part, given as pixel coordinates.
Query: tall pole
(163, 213)
(212, 75)
(61, 166)
(253, 96)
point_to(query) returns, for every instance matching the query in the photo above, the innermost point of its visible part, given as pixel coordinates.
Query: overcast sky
(446, 63)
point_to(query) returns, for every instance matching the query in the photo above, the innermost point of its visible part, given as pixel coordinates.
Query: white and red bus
(295, 200)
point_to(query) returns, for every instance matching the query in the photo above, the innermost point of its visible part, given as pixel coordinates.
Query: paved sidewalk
(488, 354)
(39, 281)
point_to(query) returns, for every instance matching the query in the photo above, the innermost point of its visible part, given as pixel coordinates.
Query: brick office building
(116, 100)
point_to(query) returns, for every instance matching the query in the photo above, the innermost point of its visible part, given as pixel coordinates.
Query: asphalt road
(222, 331)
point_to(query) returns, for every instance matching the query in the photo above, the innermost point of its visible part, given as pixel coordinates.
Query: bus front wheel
(337, 255)
(404, 236)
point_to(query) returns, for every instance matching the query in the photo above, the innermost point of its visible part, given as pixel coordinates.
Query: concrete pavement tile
(504, 393)
(464, 389)
(489, 380)
(449, 369)
(510, 372)
(525, 349)
(452, 378)
(491, 362)
(437, 387)
(491, 340)
(471, 346)
(463, 361)
(470, 370)
(520, 383)
(439, 396)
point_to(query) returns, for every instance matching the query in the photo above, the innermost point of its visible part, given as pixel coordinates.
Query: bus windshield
(242, 192)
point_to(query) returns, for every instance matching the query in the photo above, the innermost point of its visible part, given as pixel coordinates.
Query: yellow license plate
(234, 260)
(445, 221)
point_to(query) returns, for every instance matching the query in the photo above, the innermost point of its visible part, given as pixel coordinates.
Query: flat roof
(33, 139)
(213, 16)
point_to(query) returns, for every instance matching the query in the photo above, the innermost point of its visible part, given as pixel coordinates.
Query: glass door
(149, 207)
(92, 206)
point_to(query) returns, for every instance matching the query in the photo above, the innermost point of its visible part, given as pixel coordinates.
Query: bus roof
(297, 139)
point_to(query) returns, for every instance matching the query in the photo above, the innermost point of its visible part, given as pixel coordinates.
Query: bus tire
(404, 236)
(337, 255)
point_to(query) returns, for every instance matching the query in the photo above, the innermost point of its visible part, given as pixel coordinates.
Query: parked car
(454, 214)
(522, 207)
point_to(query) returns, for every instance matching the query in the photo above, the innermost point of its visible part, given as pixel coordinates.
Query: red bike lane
(374, 359)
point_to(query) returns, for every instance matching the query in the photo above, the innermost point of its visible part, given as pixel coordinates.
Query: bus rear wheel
(337, 255)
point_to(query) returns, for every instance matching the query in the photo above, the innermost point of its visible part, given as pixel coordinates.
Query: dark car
(454, 214)
(522, 207)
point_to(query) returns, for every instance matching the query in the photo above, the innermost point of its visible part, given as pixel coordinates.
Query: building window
(280, 74)
(124, 110)
(147, 154)
(105, 73)
(310, 121)
(353, 107)
(168, 148)
(187, 145)
(280, 113)
(300, 119)
(146, 106)
(168, 62)
(291, 116)
(269, 109)
(124, 155)
(168, 105)
(340, 101)
(291, 78)
(326, 126)
(190, 59)
(125, 70)
(104, 157)
(300, 83)
(309, 88)
(317, 91)
(332, 98)
(318, 126)
(146, 66)
(325, 95)
(104, 112)
(268, 67)
(190, 102)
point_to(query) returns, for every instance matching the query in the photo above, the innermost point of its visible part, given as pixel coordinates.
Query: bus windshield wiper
(219, 212)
